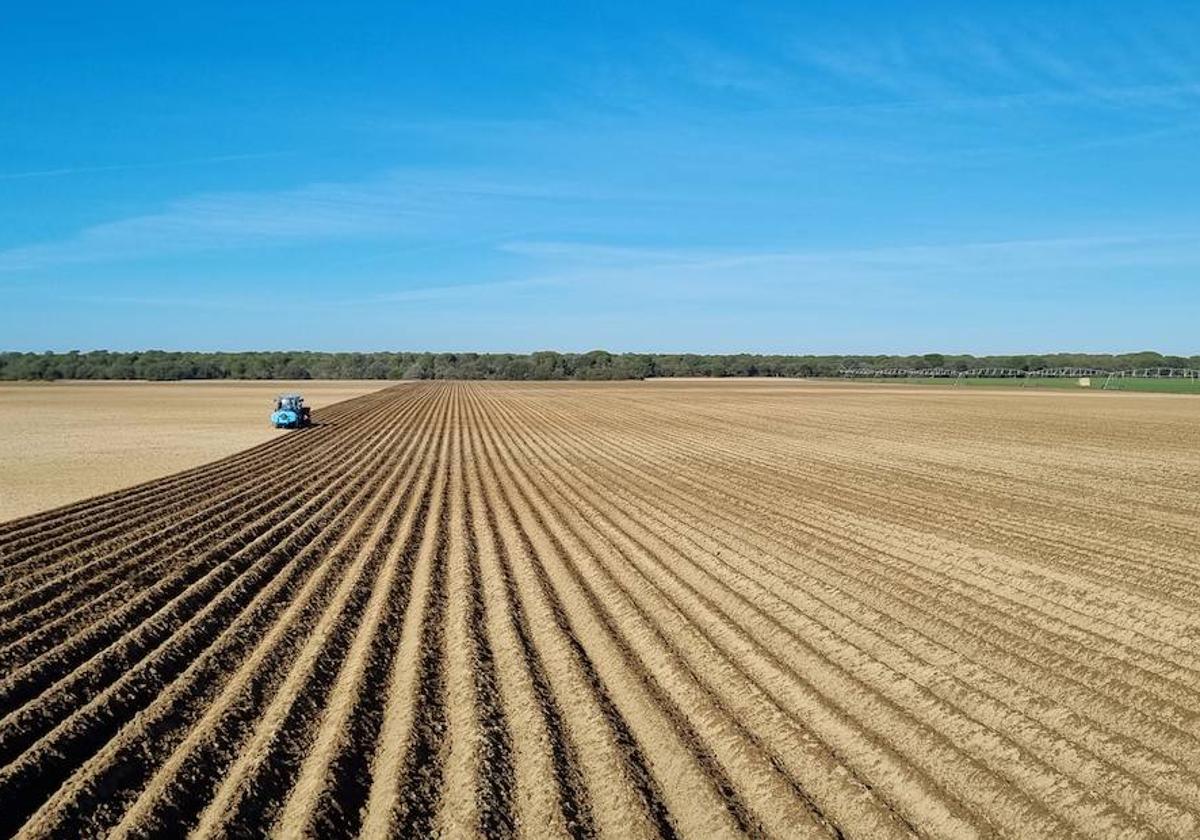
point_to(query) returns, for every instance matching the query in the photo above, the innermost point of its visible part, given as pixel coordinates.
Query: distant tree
(543, 364)
(517, 369)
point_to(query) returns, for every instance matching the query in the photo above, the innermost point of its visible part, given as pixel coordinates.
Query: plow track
(632, 611)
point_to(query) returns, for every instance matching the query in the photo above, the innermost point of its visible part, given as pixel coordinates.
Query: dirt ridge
(636, 610)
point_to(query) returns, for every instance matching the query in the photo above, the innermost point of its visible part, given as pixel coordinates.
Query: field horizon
(139, 430)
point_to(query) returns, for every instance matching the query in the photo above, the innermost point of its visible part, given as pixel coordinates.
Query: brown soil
(632, 610)
(67, 441)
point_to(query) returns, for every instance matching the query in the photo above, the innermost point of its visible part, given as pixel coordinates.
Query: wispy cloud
(396, 205)
(1037, 249)
(928, 62)
(224, 303)
(597, 254)
(448, 292)
(899, 270)
(124, 167)
(707, 65)
(956, 66)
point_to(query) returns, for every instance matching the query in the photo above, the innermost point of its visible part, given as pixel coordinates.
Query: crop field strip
(693, 610)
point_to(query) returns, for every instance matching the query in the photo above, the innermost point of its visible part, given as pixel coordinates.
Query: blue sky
(708, 177)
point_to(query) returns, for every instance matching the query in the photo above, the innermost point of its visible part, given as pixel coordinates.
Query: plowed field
(634, 610)
(66, 441)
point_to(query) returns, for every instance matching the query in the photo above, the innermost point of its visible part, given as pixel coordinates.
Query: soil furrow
(636, 610)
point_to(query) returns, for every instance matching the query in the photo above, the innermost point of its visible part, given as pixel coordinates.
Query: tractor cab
(290, 412)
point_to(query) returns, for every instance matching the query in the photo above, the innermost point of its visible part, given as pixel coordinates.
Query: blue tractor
(290, 412)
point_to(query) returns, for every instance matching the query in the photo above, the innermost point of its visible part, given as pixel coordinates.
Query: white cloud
(953, 65)
(396, 205)
(124, 167)
(899, 270)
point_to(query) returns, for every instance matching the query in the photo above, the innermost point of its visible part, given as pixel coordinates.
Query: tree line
(543, 365)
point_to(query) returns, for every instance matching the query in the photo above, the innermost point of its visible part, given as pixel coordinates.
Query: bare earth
(66, 441)
(628, 610)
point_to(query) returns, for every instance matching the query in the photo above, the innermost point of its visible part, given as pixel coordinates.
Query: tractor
(291, 412)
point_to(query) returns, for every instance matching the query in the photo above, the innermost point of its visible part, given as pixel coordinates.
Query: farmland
(628, 610)
(1162, 385)
(66, 441)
